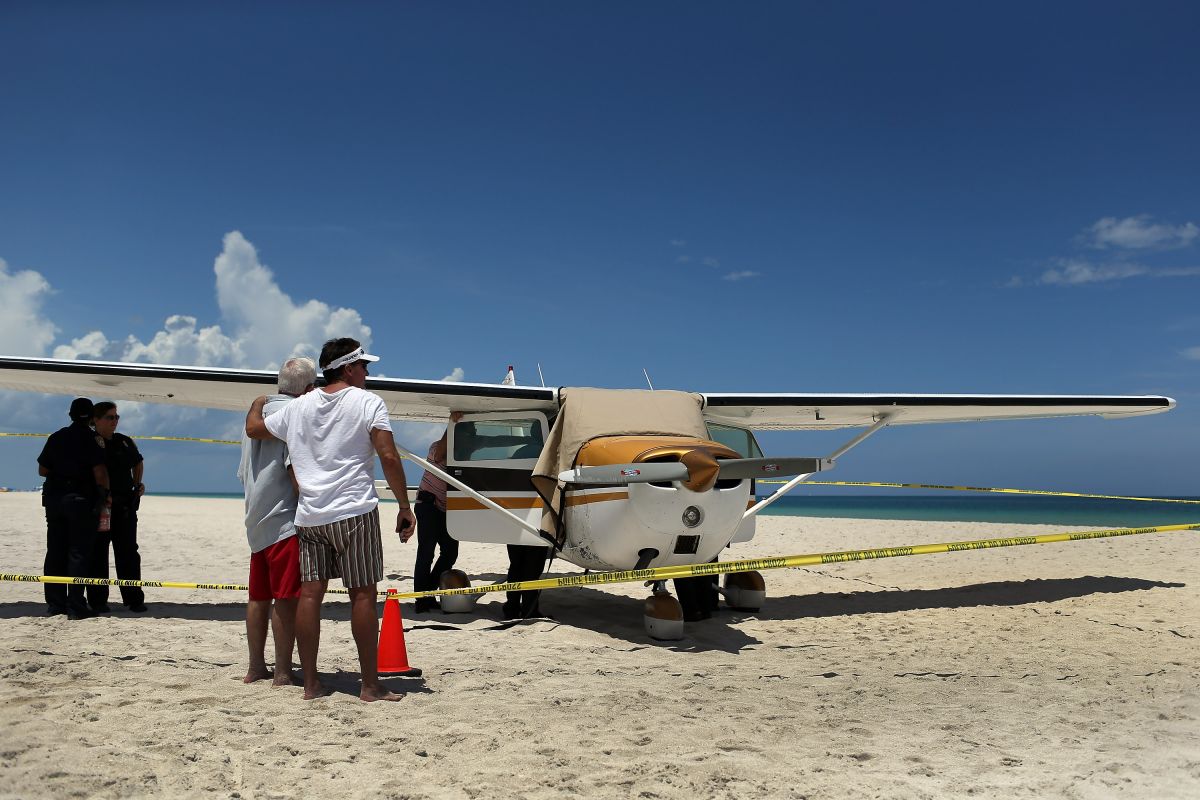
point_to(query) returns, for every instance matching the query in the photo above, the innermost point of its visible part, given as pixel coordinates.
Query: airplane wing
(831, 411)
(431, 401)
(235, 389)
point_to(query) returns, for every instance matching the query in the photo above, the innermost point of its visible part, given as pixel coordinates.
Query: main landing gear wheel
(744, 591)
(663, 615)
(456, 603)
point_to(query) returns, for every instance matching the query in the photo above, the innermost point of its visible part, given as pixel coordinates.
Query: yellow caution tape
(237, 587)
(184, 439)
(682, 571)
(146, 438)
(986, 489)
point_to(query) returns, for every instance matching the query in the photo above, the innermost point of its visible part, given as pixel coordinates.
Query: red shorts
(275, 571)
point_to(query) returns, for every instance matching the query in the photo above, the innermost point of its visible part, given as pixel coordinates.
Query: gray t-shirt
(270, 496)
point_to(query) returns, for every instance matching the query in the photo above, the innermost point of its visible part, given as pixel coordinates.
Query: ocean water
(1029, 509)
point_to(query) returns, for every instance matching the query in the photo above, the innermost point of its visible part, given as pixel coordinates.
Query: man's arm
(139, 488)
(256, 427)
(393, 472)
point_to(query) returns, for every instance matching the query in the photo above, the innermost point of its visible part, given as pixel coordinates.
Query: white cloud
(23, 329)
(1074, 272)
(1139, 233)
(1176, 272)
(683, 259)
(741, 275)
(266, 326)
(678, 243)
(709, 261)
(1192, 353)
(456, 375)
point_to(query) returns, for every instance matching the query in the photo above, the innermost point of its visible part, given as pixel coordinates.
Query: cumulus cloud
(741, 275)
(1192, 353)
(264, 326)
(23, 329)
(1140, 233)
(268, 327)
(456, 375)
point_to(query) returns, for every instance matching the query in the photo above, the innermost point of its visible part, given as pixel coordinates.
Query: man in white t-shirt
(333, 435)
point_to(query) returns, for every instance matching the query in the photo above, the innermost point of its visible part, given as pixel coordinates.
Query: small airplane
(609, 479)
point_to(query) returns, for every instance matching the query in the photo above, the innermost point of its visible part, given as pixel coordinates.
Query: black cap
(81, 408)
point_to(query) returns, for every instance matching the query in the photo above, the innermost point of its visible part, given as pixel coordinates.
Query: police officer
(76, 488)
(124, 464)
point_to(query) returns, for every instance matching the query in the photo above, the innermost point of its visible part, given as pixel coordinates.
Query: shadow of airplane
(621, 617)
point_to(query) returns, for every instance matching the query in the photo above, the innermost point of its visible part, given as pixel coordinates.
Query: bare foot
(257, 674)
(377, 692)
(287, 679)
(313, 692)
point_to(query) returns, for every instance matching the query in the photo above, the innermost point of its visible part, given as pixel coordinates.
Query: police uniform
(525, 563)
(121, 456)
(71, 499)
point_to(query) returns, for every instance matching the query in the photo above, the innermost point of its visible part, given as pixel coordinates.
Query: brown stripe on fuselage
(471, 504)
(599, 497)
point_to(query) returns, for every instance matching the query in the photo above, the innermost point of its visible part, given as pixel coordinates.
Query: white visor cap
(350, 358)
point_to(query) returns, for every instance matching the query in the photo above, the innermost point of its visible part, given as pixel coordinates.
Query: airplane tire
(745, 591)
(456, 603)
(663, 618)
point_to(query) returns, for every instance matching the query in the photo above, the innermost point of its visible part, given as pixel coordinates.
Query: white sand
(1052, 671)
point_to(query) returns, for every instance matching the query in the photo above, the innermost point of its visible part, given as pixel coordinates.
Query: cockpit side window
(498, 439)
(738, 439)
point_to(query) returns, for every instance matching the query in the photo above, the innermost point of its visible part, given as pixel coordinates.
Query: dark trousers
(432, 535)
(70, 535)
(123, 538)
(525, 563)
(697, 596)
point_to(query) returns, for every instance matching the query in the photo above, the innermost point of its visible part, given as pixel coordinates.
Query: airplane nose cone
(703, 469)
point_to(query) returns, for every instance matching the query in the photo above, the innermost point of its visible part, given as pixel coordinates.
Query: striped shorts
(350, 549)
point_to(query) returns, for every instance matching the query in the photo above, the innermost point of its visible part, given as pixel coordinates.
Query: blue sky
(736, 197)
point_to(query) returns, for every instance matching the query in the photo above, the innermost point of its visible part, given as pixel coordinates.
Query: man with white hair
(271, 497)
(333, 435)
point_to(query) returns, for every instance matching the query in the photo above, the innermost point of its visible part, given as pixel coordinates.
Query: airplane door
(495, 454)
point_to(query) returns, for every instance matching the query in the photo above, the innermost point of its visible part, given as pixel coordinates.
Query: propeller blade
(624, 474)
(743, 468)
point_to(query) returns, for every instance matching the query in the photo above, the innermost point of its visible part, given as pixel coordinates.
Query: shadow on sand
(621, 617)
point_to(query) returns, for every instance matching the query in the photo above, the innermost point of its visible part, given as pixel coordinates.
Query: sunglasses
(113, 417)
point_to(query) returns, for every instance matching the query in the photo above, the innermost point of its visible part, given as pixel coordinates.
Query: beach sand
(1064, 670)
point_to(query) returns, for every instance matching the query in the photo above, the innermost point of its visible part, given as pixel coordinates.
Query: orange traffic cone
(393, 655)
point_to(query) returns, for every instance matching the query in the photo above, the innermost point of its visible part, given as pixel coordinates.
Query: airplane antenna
(647, 374)
(540, 378)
